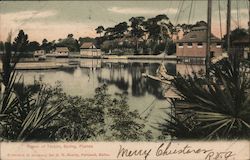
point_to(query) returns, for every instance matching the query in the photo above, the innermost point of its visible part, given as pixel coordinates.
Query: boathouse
(192, 47)
(61, 52)
(88, 49)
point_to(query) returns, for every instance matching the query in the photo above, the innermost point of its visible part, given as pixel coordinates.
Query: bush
(100, 118)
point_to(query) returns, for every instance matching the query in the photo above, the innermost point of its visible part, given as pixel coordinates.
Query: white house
(88, 49)
(61, 52)
(38, 53)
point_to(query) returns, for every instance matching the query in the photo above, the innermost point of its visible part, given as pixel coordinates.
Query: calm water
(121, 76)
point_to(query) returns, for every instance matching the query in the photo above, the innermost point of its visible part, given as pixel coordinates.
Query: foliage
(33, 46)
(21, 42)
(100, 118)
(82, 40)
(25, 112)
(213, 108)
(1, 46)
(69, 42)
(235, 35)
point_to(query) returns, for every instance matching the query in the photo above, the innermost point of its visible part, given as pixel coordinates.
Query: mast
(228, 24)
(249, 23)
(209, 15)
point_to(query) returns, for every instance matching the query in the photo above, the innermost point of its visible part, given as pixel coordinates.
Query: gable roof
(198, 34)
(87, 45)
(62, 49)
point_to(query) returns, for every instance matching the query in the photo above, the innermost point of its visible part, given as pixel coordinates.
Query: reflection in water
(185, 69)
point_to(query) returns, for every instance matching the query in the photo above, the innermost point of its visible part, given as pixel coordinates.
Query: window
(199, 45)
(218, 45)
(180, 45)
(190, 45)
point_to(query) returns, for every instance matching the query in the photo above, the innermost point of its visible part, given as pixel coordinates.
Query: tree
(33, 46)
(70, 43)
(21, 42)
(137, 29)
(45, 41)
(1, 46)
(70, 35)
(120, 29)
(235, 34)
(99, 30)
(109, 33)
(159, 29)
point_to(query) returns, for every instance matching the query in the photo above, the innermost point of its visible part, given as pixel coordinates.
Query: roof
(87, 45)
(242, 40)
(198, 34)
(62, 49)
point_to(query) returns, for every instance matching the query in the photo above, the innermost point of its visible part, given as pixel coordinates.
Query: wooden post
(228, 24)
(209, 15)
(249, 27)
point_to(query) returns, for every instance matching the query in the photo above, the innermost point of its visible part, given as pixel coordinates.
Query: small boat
(161, 75)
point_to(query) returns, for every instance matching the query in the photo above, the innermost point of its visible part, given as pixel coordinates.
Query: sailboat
(161, 75)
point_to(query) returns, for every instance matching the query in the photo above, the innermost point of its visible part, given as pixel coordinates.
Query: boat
(161, 75)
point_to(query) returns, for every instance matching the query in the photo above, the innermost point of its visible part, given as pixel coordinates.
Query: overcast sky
(56, 19)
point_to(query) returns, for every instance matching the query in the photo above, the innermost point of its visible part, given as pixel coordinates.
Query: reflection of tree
(116, 76)
(140, 86)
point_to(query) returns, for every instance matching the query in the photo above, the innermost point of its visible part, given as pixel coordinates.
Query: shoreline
(53, 64)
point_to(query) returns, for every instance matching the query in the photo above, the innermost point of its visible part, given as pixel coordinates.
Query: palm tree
(214, 108)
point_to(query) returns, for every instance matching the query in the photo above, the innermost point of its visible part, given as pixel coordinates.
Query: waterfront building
(61, 52)
(88, 49)
(192, 47)
(38, 53)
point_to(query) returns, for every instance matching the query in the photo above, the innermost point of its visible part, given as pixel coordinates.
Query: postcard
(140, 80)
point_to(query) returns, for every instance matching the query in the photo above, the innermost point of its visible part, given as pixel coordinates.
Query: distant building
(242, 45)
(88, 49)
(192, 46)
(61, 52)
(38, 53)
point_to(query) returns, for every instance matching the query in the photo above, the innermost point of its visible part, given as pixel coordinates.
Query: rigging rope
(219, 6)
(148, 106)
(238, 15)
(178, 16)
(190, 11)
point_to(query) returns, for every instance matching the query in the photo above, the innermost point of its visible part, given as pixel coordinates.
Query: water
(121, 76)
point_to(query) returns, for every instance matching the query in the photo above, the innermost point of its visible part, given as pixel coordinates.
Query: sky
(56, 19)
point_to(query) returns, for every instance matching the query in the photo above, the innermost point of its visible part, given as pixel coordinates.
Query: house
(38, 53)
(192, 47)
(88, 49)
(242, 45)
(61, 52)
